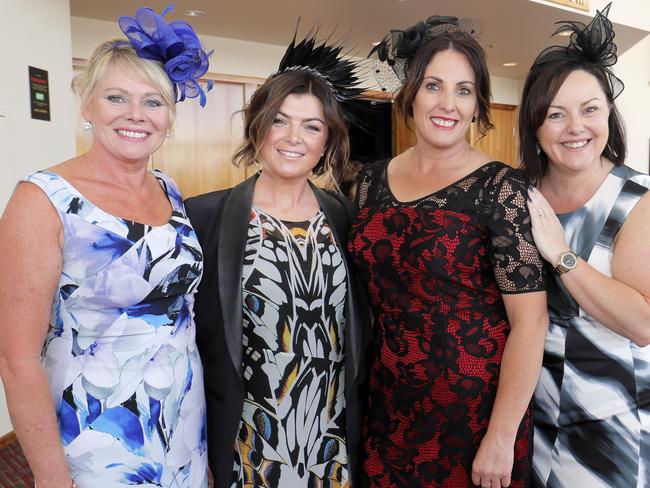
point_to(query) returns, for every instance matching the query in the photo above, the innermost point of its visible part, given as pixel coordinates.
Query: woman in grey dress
(591, 222)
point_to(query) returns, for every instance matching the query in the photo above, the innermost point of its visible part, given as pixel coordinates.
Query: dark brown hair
(542, 84)
(458, 41)
(265, 104)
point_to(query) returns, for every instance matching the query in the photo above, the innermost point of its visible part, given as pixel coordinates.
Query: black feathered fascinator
(593, 43)
(396, 50)
(326, 63)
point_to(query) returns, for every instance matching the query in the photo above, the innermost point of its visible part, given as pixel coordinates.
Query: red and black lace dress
(436, 269)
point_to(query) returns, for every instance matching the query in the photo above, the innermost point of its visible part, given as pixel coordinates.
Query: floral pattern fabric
(292, 430)
(436, 270)
(120, 354)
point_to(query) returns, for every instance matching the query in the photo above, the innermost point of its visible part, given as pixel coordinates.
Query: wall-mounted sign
(39, 93)
(579, 4)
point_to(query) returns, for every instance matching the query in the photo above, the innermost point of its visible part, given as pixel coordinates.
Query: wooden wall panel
(403, 136)
(501, 142)
(198, 154)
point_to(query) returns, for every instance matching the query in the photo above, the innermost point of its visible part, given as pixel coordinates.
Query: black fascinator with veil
(592, 43)
(394, 53)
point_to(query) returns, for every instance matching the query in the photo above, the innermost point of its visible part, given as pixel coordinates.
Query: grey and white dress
(591, 407)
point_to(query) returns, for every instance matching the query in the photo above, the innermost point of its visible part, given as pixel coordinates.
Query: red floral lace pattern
(436, 269)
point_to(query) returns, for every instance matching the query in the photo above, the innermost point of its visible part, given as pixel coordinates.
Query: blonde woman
(98, 359)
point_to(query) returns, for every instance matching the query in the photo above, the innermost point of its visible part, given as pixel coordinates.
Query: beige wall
(234, 57)
(26, 144)
(231, 57)
(633, 68)
(633, 13)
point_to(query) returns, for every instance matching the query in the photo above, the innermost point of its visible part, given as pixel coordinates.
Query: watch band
(568, 260)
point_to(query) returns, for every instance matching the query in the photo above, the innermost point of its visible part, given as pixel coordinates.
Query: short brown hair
(458, 41)
(265, 105)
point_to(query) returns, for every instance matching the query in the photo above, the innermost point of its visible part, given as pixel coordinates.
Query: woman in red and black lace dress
(443, 238)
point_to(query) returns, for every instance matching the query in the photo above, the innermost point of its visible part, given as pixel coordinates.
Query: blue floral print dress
(120, 354)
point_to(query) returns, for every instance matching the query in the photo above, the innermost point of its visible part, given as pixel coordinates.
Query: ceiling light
(194, 13)
(510, 64)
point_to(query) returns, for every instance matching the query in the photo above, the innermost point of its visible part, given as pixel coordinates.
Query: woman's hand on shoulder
(546, 227)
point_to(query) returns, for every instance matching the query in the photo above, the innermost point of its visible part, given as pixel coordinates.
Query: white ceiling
(513, 30)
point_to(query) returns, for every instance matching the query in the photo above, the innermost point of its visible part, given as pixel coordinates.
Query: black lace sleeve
(518, 266)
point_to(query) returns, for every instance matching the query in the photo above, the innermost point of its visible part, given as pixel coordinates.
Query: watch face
(569, 260)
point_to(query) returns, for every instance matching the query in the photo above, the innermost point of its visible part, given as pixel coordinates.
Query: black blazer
(221, 220)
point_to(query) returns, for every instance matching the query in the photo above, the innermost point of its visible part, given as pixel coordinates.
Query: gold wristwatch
(568, 261)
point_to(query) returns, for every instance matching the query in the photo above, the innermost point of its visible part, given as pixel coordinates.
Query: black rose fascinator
(175, 45)
(592, 43)
(395, 51)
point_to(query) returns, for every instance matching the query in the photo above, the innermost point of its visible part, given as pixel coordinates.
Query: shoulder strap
(627, 198)
(170, 187)
(41, 179)
(630, 194)
(58, 191)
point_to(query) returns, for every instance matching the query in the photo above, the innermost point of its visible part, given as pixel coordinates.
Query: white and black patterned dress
(592, 403)
(120, 354)
(292, 430)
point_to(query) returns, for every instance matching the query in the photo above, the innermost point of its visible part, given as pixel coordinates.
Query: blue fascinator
(173, 44)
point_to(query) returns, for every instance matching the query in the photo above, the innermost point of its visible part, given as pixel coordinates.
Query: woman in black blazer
(280, 323)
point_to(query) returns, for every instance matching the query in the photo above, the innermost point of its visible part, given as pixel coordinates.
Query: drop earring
(87, 125)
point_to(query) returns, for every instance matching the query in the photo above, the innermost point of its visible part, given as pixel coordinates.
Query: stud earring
(87, 125)
(168, 134)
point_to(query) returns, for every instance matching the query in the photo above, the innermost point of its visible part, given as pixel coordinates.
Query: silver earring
(539, 148)
(87, 125)
(168, 134)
